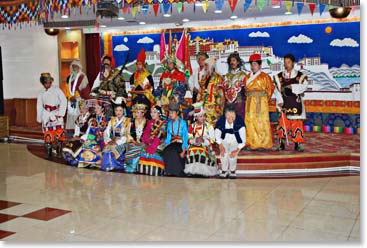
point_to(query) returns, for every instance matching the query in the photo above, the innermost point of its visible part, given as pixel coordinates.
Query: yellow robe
(258, 93)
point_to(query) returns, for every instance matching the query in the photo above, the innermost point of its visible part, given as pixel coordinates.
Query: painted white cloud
(145, 40)
(259, 34)
(121, 48)
(300, 39)
(346, 42)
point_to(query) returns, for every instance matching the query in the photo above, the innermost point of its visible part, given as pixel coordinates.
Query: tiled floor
(41, 200)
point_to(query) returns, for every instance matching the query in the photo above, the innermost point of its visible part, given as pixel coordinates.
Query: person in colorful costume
(290, 87)
(259, 89)
(73, 148)
(142, 82)
(115, 137)
(233, 83)
(151, 162)
(51, 108)
(176, 143)
(200, 158)
(94, 137)
(107, 85)
(135, 134)
(214, 99)
(75, 89)
(230, 135)
(172, 86)
(197, 79)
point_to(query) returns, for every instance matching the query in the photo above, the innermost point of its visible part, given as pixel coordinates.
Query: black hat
(174, 107)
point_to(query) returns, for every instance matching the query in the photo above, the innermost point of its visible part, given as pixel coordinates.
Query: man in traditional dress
(75, 89)
(290, 86)
(197, 78)
(230, 135)
(259, 89)
(233, 83)
(51, 108)
(142, 83)
(213, 95)
(172, 86)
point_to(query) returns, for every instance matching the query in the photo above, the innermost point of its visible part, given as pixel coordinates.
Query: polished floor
(45, 201)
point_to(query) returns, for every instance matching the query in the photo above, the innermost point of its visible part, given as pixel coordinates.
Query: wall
(26, 54)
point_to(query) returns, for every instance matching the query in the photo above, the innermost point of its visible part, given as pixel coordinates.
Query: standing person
(230, 135)
(51, 108)
(151, 161)
(201, 158)
(259, 89)
(172, 86)
(174, 153)
(290, 86)
(115, 137)
(75, 145)
(142, 82)
(233, 83)
(197, 79)
(75, 89)
(214, 96)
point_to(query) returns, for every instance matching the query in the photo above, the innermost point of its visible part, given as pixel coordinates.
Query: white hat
(188, 94)
(198, 109)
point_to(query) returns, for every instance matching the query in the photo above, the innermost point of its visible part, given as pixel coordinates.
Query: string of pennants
(40, 11)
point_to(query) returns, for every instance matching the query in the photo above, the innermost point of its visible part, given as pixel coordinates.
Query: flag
(170, 43)
(188, 69)
(180, 51)
(312, 7)
(162, 47)
(322, 8)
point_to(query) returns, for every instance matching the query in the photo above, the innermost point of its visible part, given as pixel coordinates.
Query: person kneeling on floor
(230, 135)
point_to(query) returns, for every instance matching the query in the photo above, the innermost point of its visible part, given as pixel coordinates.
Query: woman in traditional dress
(135, 144)
(200, 158)
(115, 137)
(75, 145)
(174, 153)
(151, 161)
(94, 138)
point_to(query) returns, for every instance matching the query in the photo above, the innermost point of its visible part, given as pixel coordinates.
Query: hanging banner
(300, 7)
(312, 7)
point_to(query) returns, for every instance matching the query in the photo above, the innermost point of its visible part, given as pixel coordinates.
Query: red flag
(162, 47)
(312, 7)
(181, 48)
(170, 43)
(232, 4)
(156, 8)
(188, 69)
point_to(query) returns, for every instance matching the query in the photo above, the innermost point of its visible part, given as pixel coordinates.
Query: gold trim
(296, 156)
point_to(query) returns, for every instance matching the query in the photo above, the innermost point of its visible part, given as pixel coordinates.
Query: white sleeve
(211, 135)
(85, 136)
(218, 135)
(278, 97)
(76, 130)
(107, 132)
(192, 81)
(242, 132)
(299, 88)
(97, 82)
(39, 108)
(121, 140)
(63, 103)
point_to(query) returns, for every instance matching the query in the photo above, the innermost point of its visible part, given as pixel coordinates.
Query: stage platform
(326, 154)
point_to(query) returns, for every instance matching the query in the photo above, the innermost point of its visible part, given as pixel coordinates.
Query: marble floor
(45, 201)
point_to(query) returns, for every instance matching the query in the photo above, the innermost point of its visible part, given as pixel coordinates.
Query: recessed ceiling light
(142, 23)
(276, 6)
(198, 4)
(67, 28)
(217, 11)
(64, 16)
(102, 26)
(233, 17)
(185, 20)
(121, 18)
(167, 15)
(288, 13)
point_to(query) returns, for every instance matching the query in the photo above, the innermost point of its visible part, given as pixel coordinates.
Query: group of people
(171, 129)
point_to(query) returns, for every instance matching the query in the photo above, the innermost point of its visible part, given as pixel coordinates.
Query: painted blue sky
(319, 41)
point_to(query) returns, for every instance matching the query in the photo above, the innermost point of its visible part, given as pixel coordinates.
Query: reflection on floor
(123, 207)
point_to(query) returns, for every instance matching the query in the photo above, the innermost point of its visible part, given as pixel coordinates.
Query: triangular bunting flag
(300, 7)
(288, 6)
(232, 4)
(179, 6)
(205, 5)
(246, 5)
(322, 8)
(261, 4)
(133, 11)
(166, 7)
(312, 7)
(156, 8)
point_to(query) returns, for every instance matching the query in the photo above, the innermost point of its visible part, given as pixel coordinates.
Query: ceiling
(195, 14)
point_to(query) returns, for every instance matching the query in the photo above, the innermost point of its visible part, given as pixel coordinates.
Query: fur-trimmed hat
(46, 77)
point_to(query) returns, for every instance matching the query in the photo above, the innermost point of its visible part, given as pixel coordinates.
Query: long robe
(259, 89)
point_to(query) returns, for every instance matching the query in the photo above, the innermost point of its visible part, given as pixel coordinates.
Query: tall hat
(46, 77)
(188, 94)
(119, 102)
(141, 56)
(255, 57)
(198, 109)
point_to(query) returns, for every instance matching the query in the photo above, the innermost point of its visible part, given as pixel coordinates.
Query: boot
(59, 149)
(281, 145)
(48, 147)
(298, 147)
